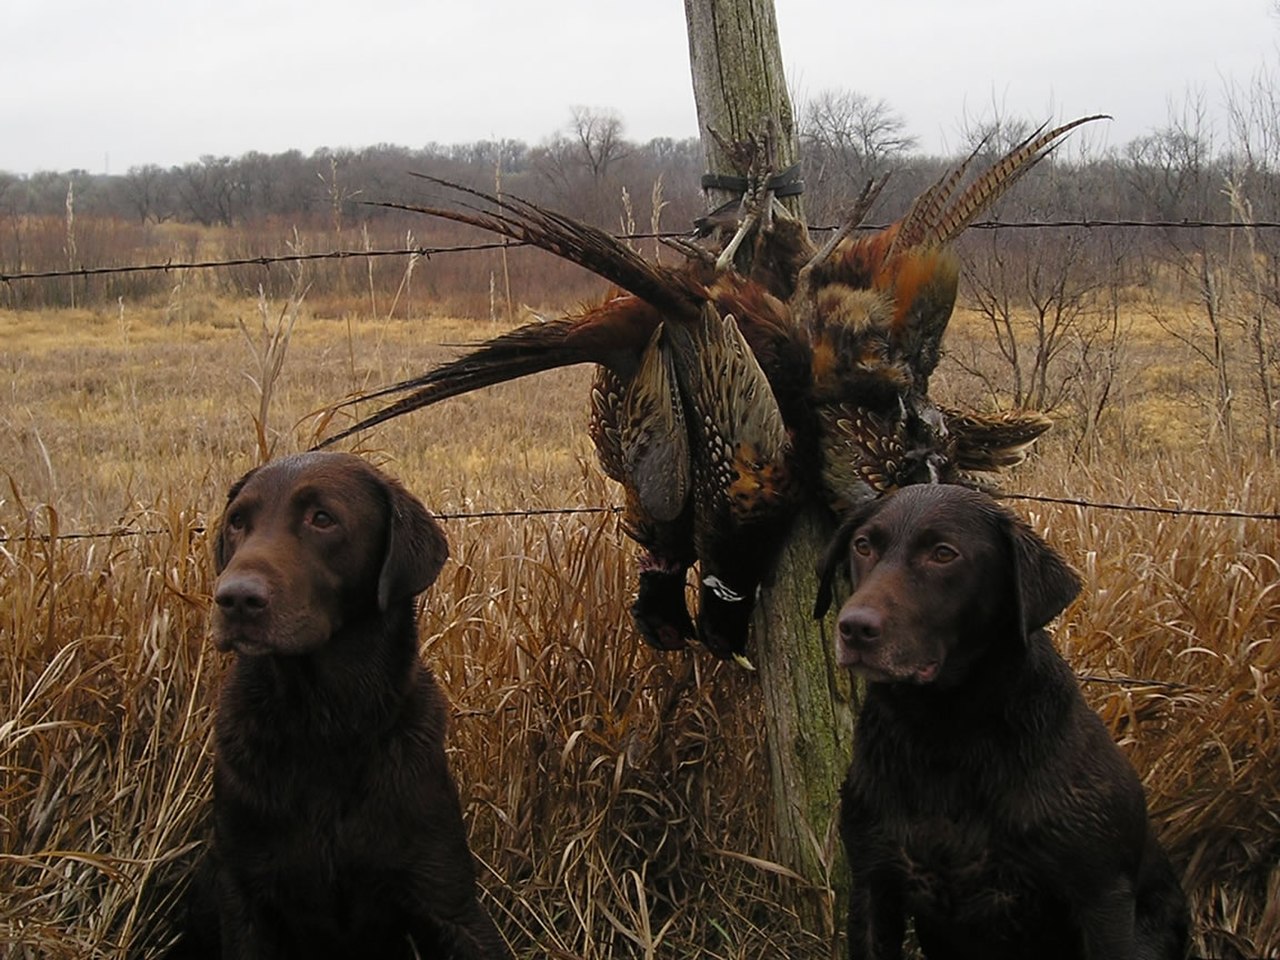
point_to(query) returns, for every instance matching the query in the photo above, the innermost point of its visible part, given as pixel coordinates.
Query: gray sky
(107, 85)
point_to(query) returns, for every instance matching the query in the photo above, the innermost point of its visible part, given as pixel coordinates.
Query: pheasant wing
(742, 474)
(653, 436)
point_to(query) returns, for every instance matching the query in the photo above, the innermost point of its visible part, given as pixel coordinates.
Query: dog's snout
(860, 627)
(242, 595)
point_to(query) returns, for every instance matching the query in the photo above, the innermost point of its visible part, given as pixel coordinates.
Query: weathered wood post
(738, 83)
(739, 87)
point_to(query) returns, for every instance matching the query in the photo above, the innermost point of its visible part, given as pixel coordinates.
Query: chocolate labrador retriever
(986, 801)
(337, 829)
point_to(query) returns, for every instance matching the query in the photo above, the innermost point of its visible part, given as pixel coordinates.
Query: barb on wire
(428, 252)
(1120, 680)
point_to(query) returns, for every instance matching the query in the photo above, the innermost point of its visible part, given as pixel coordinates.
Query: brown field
(617, 798)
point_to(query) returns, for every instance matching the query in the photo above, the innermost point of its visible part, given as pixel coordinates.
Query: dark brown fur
(986, 802)
(338, 830)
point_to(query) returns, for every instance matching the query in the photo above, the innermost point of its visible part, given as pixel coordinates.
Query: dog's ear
(1043, 581)
(221, 557)
(416, 547)
(836, 555)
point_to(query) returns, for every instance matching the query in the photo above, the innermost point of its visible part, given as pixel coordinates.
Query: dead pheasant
(722, 402)
(702, 381)
(875, 309)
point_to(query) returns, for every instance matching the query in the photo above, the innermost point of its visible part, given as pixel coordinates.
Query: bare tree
(1173, 170)
(145, 190)
(208, 190)
(1170, 166)
(848, 138)
(1036, 294)
(992, 135)
(579, 162)
(598, 137)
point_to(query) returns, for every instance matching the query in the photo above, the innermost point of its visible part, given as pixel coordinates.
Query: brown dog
(338, 831)
(986, 800)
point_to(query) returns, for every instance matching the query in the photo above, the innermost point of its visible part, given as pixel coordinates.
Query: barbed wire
(199, 528)
(570, 511)
(259, 261)
(428, 252)
(1091, 223)
(1142, 508)
(1115, 679)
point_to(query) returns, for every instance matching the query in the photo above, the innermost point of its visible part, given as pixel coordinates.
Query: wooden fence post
(738, 83)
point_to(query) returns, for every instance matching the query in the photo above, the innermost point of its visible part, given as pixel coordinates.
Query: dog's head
(939, 573)
(312, 542)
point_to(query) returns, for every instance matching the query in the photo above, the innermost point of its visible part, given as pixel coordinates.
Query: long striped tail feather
(668, 289)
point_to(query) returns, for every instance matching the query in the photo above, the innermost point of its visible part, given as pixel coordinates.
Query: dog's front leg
(876, 920)
(244, 933)
(469, 936)
(1107, 923)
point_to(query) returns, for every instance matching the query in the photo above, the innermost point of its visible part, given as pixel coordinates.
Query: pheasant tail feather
(988, 188)
(580, 243)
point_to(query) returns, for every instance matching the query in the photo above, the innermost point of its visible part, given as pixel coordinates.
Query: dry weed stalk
(656, 205)
(69, 245)
(104, 749)
(506, 266)
(268, 349)
(628, 219)
(1257, 307)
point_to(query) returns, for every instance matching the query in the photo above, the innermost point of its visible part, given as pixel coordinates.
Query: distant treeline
(266, 205)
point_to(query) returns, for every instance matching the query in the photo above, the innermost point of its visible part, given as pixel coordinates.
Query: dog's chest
(950, 820)
(312, 824)
(961, 871)
(322, 866)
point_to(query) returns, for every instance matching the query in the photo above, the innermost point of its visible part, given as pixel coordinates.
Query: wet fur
(986, 802)
(338, 830)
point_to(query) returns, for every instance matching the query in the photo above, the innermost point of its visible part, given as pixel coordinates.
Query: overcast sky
(107, 85)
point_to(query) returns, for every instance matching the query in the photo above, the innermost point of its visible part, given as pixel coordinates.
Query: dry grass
(1193, 607)
(617, 799)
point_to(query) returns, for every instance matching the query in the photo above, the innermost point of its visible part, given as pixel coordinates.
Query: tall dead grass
(1177, 634)
(616, 798)
(105, 740)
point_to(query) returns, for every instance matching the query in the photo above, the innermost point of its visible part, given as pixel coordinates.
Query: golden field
(617, 798)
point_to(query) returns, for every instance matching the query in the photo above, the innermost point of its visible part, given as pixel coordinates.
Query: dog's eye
(322, 519)
(943, 553)
(862, 546)
(235, 521)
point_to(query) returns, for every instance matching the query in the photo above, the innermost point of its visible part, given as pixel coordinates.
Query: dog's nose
(241, 595)
(860, 627)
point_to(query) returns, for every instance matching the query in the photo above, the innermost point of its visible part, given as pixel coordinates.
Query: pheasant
(875, 309)
(722, 402)
(702, 378)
